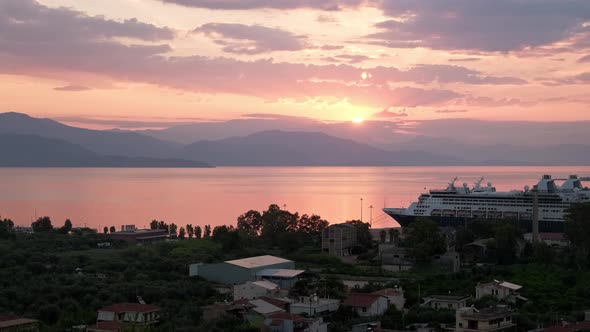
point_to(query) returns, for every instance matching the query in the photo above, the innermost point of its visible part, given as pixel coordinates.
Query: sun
(357, 119)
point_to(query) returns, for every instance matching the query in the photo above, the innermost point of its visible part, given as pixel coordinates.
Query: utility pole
(371, 216)
(361, 209)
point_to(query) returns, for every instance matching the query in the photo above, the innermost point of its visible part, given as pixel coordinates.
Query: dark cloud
(480, 25)
(28, 21)
(72, 88)
(348, 58)
(23, 52)
(584, 59)
(464, 59)
(451, 111)
(252, 39)
(391, 113)
(331, 47)
(329, 5)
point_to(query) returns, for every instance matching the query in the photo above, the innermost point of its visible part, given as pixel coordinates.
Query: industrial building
(239, 271)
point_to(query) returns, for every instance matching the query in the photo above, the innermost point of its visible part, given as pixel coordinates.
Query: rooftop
(486, 314)
(361, 300)
(130, 307)
(266, 284)
(258, 261)
(264, 308)
(447, 297)
(389, 292)
(7, 321)
(279, 273)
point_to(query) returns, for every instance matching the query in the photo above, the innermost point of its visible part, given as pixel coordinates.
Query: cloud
(451, 111)
(331, 47)
(464, 59)
(72, 88)
(584, 59)
(85, 54)
(329, 5)
(479, 25)
(390, 113)
(28, 21)
(348, 58)
(252, 39)
(326, 18)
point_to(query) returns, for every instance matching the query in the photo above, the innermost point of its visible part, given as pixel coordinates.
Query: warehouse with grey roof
(240, 270)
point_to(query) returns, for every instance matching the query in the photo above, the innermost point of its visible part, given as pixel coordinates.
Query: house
(251, 290)
(469, 319)
(367, 304)
(314, 305)
(554, 240)
(239, 271)
(13, 323)
(140, 236)
(339, 239)
(287, 322)
(502, 290)
(450, 302)
(285, 278)
(395, 259)
(136, 314)
(395, 296)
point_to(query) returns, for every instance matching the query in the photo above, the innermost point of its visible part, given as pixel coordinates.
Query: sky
(170, 61)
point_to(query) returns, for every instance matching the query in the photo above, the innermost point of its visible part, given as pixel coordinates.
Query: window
(364, 309)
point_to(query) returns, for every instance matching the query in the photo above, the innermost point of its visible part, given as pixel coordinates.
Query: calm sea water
(112, 197)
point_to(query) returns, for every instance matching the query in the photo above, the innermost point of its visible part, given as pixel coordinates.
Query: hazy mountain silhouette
(99, 141)
(279, 148)
(35, 151)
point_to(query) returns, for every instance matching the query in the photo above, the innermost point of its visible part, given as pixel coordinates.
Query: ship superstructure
(454, 206)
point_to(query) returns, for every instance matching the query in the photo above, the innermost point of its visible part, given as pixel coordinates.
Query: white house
(251, 290)
(451, 302)
(367, 304)
(395, 296)
(313, 305)
(502, 290)
(469, 319)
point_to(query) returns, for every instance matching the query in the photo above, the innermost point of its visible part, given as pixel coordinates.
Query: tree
(577, 230)
(190, 231)
(113, 229)
(198, 232)
(67, 227)
(250, 222)
(181, 233)
(105, 230)
(163, 225)
(382, 235)
(313, 225)
(154, 224)
(207, 231)
(363, 234)
(42, 225)
(6, 228)
(394, 235)
(506, 240)
(173, 228)
(276, 222)
(424, 240)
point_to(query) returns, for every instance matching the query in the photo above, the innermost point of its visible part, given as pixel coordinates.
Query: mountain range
(28, 141)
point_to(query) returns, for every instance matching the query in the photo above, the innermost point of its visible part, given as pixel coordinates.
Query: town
(281, 271)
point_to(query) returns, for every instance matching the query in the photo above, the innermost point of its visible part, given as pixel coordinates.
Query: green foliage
(42, 225)
(424, 240)
(577, 230)
(506, 243)
(66, 228)
(363, 234)
(6, 228)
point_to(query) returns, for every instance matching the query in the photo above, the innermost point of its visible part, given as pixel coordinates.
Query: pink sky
(332, 60)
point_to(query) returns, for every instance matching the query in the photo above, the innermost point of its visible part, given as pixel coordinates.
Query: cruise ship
(454, 206)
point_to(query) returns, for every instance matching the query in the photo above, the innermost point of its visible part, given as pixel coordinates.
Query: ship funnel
(573, 176)
(546, 177)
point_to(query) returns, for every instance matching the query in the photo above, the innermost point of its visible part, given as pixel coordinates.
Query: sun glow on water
(357, 119)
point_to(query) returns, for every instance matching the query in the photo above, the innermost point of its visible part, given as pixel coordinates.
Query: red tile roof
(286, 316)
(130, 307)
(7, 317)
(276, 302)
(361, 300)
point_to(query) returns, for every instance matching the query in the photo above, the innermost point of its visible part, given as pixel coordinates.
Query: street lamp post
(361, 209)
(371, 215)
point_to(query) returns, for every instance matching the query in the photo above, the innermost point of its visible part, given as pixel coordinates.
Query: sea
(98, 197)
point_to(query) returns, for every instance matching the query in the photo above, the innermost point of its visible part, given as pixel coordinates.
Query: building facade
(367, 305)
(339, 239)
(469, 319)
(450, 302)
(239, 271)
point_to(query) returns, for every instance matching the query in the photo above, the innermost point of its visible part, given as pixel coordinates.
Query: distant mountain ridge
(279, 148)
(271, 148)
(35, 151)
